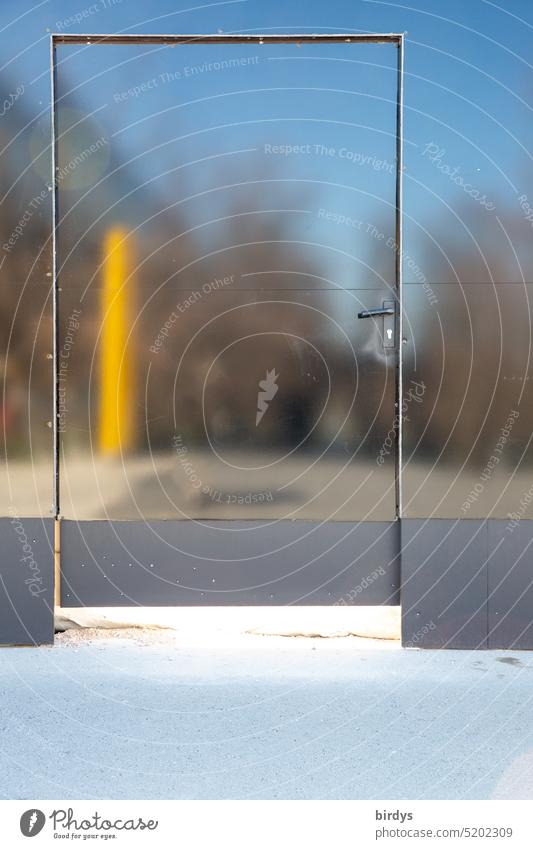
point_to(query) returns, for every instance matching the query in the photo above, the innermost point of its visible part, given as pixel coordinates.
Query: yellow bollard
(116, 367)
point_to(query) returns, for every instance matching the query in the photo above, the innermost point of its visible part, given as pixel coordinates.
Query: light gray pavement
(136, 715)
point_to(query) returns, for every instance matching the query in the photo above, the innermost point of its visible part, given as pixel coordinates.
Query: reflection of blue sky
(308, 128)
(468, 86)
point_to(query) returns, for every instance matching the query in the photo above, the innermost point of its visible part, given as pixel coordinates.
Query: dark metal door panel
(229, 563)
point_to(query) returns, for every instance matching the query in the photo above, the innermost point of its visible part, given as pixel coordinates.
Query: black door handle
(388, 311)
(376, 311)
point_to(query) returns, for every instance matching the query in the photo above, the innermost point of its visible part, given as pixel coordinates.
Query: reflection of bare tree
(485, 331)
(25, 304)
(482, 364)
(233, 333)
(470, 347)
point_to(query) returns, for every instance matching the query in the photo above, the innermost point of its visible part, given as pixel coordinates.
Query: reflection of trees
(25, 305)
(174, 262)
(483, 360)
(248, 241)
(471, 348)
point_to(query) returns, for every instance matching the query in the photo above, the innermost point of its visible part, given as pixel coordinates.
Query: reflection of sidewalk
(114, 487)
(154, 487)
(142, 716)
(27, 487)
(159, 487)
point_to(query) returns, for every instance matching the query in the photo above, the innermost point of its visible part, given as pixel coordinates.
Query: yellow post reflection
(116, 366)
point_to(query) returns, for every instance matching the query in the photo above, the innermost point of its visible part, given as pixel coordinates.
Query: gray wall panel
(26, 581)
(444, 584)
(229, 563)
(510, 584)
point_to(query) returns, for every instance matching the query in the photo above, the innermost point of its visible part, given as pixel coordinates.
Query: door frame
(370, 38)
(80, 533)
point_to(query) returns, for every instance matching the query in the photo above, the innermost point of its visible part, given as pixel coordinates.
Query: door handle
(376, 311)
(388, 311)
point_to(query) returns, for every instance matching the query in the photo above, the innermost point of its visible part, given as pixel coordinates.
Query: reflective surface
(467, 118)
(255, 405)
(25, 312)
(467, 445)
(231, 214)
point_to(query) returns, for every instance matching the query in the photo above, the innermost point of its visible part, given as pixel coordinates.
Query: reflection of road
(203, 487)
(146, 487)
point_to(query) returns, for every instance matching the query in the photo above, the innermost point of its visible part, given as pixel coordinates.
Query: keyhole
(389, 334)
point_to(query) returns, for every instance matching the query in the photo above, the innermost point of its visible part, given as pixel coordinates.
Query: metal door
(228, 291)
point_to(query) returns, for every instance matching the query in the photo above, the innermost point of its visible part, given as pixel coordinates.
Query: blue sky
(468, 84)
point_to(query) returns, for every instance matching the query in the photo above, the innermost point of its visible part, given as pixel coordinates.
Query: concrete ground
(143, 714)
